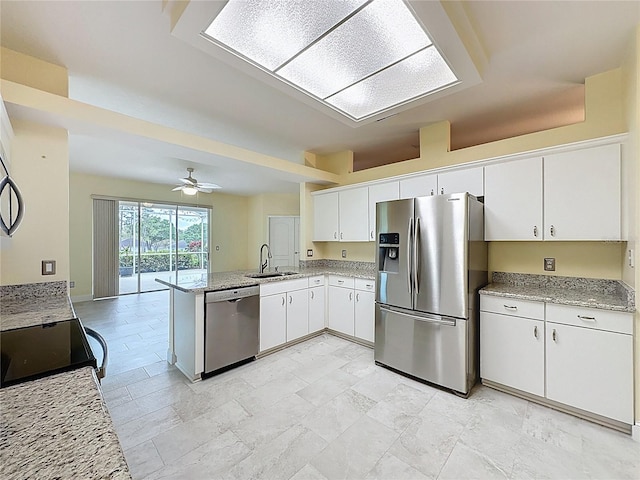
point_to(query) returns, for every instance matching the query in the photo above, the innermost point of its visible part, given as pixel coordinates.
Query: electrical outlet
(310, 252)
(72, 284)
(550, 264)
(344, 254)
(631, 259)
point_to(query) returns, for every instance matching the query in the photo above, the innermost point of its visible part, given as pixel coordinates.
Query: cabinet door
(273, 321)
(354, 215)
(380, 193)
(341, 303)
(364, 315)
(582, 194)
(297, 314)
(512, 352)
(513, 200)
(591, 370)
(419, 186)
(316, 309)
(325, 217)
(468, 180)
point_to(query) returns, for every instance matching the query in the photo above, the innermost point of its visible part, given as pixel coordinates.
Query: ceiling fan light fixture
(189, 190)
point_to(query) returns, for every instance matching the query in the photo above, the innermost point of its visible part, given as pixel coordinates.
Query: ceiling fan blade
(208, 185)
(188, 181)
(179, 187)
(205, 190)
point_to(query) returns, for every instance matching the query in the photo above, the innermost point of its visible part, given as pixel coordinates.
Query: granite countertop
(235, 279)
(582, 292)
(58, 427)
(21, 312)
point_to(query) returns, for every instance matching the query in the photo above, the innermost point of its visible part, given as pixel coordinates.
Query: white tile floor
(323, 410)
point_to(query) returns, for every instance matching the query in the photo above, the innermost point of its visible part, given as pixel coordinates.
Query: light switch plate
(48, 267)
(550, 264)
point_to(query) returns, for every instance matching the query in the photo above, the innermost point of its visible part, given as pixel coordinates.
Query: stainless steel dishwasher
(231, 327)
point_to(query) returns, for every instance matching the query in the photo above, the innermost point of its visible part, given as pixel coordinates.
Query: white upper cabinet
(513, 200)
(380, 192)
(582, 194)
(325, 217)
(468, 180)
(419, 186)
(353, 205)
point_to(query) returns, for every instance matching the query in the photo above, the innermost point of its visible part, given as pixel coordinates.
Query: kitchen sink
(270, 274)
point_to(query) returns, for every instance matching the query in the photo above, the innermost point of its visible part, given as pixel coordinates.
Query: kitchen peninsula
(355, 280)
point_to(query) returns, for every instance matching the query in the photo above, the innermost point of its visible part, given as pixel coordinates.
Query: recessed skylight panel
(270, 32)
(414, 77)
(379, 35)
(359, 57)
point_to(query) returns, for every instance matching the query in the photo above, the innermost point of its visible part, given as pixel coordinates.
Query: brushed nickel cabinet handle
(554, 336)
(590, 319)
(510, 307)
(357, 297)
(552, 230)
(535, 231)
(290, 299)
(335, 235)
(371, 234)
(442, 191)
(312, 292)
(350, 296)
(432, 192)
(535, 331)
(283, 301)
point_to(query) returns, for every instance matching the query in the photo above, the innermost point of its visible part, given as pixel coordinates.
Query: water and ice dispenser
(388, 252)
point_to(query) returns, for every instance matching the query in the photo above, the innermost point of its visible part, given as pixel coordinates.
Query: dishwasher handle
(231, 294)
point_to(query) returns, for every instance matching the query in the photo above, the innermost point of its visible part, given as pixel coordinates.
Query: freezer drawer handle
(510, 307)
(591, 319)
(449, 322)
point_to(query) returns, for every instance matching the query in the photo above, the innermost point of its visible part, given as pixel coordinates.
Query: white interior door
(283, 240)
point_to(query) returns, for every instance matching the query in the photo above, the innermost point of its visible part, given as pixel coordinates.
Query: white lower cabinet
(364, 309)
(341, 309)
(512, 351)
(284, 312)
(273, 321)
(579, 357)
(297, 314)
(589, 368)
(351, 306)
(316, 309)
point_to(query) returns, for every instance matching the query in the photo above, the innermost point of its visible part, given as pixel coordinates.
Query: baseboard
(81, 298)
(635, 432)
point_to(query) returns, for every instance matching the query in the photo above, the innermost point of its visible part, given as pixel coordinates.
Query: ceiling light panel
(418, 75)
(270, 32)
(380, 34)
(358, 57)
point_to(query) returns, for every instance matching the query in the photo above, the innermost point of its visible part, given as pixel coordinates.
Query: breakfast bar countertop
(236, 279)
(58, 427)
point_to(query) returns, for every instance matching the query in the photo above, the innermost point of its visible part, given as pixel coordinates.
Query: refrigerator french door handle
(416, 256)
(409, 243)
(449, 322)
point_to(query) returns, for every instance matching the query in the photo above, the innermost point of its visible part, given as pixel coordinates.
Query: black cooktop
(42, 350)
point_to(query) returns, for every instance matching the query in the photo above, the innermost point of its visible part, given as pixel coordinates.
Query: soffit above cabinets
(373, 80)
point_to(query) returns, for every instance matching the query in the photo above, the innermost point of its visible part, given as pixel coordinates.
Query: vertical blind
(105, 248)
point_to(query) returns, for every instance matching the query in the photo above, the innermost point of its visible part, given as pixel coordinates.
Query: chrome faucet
(263, 265)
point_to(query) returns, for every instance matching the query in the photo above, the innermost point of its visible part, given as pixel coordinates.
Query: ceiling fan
(191, 186)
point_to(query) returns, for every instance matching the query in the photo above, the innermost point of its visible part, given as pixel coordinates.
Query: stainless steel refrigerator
(431, 259)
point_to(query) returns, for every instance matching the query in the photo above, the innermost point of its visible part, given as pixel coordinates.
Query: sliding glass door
(170, 242)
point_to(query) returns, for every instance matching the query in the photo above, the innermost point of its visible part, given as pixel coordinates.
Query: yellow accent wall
(229, 222)
(39, 166)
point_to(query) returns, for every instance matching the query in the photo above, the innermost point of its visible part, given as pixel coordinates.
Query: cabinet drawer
(619, 322)
(282, 286)
(366, 285)
(339, 281)
(316, 281)
(512, 306)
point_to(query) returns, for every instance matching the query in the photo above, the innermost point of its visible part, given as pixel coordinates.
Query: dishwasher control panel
(232, 294)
